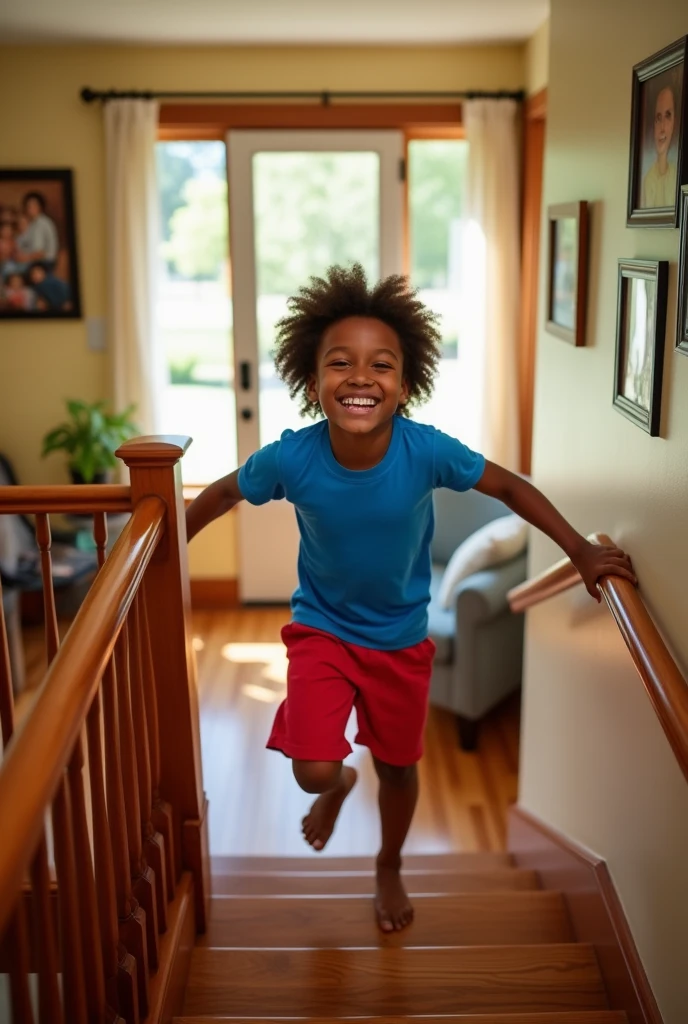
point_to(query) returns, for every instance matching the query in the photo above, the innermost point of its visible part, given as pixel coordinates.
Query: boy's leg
(334, 782)
(398, 795)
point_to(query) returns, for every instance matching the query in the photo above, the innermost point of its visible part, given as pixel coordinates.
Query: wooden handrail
(41, 748)
(79, 499)
(666, 686)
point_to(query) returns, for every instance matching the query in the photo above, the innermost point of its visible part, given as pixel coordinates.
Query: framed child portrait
(567, 271)
(640, 330)
(659, 124)
(682, 304)
(39, 277)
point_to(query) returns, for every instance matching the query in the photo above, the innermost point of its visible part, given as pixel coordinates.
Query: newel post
(154, 465)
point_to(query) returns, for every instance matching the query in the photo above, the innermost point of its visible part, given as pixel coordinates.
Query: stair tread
(225, 865)
(331, 883)
(557, 1017)
(476, 919)
(354, 982)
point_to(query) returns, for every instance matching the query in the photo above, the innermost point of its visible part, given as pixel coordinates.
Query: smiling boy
(361, 481)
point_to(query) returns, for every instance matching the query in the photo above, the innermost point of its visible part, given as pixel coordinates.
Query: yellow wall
(595, 762)
(41, 364)
(537, 60)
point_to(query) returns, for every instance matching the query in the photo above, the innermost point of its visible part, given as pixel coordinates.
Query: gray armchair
(479, 641)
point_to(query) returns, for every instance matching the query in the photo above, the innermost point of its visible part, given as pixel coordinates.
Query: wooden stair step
(329, 883)
(323, 862)
(476, 919)
(354, 982)
(558, 1017)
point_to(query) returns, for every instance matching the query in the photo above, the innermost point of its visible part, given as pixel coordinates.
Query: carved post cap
(160, 450)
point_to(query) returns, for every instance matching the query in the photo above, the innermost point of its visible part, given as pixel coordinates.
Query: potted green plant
(90, 438)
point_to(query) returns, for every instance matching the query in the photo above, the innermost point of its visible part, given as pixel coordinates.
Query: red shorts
(328, 677)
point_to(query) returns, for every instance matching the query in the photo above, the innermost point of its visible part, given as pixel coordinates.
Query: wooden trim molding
(536, 106)
(213, 120)
(596, 912)
(533, 160)
(665, 684)
(215, 594)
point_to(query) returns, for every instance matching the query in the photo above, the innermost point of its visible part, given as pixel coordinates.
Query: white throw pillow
(496, 542)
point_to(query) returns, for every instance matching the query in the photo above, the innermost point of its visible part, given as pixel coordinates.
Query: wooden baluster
(154, 466)
(71, 948)
(133, 971)
(142, 875)
(132, 978)
(17, 945)
(45, 938)
(6, 691)
(42, 900)
(17, 934)
(77, 960)
(154, 844)
(102, 847)
(88, 900)
(162, 812)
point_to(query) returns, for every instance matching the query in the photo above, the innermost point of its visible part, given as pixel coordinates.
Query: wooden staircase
(296, 938)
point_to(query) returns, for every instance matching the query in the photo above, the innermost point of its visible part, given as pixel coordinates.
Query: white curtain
(130, 135)
(492, 272)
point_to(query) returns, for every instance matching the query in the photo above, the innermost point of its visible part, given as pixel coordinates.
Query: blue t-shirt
(364, 557)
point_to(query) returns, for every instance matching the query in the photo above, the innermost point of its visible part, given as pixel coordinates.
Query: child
(361, 480)
(17, 294)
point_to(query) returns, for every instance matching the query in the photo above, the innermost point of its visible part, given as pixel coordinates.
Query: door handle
(245, 376)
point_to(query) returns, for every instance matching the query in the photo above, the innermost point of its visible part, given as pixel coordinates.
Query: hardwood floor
(255, 805)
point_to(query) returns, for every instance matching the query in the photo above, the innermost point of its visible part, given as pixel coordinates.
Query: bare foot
(318, 825)
(392, 906)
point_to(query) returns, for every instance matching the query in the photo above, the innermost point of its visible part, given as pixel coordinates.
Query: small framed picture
(39, 277)
(567, 271)
(659, 120)
(640, 330)
(682, 304)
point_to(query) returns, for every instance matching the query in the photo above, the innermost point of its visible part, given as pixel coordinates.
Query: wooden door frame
(534, 122)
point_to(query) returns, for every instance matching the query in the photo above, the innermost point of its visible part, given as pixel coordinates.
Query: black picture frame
(664, 72)
(37, 209)
(639, 396)
(568, 322)
(682, 299)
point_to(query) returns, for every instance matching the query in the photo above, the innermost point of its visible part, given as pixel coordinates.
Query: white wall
(595, 762)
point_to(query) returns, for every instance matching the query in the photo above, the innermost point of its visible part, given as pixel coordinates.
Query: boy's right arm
(213, 502)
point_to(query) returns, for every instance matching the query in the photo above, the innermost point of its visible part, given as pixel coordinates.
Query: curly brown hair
(344, 292)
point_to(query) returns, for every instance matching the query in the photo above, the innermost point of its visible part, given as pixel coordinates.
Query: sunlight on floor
(260, 693)
(273, 656)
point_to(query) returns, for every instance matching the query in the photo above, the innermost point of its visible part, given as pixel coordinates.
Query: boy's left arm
(591, 560)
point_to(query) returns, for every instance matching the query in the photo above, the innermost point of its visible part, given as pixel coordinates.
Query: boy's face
(359, 374)
(664, 121)
(37, 274)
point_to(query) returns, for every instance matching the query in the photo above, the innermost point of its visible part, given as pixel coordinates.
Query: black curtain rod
(324, 97)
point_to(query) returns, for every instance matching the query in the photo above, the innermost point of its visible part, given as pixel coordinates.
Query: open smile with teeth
(358, 403)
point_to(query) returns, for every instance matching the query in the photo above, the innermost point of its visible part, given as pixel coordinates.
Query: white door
(298, 202)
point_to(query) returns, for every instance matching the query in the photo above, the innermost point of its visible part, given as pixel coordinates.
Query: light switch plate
(95, 333)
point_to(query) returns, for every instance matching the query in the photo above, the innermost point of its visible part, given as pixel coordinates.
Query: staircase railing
(666, 687)
(102, 808)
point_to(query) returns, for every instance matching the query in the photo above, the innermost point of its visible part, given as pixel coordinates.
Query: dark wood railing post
(154, 466)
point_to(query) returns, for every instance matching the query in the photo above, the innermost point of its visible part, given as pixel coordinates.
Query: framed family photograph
(659, 120)
(39, 276)
(640, 330)
(682, 304)
(567, 271)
